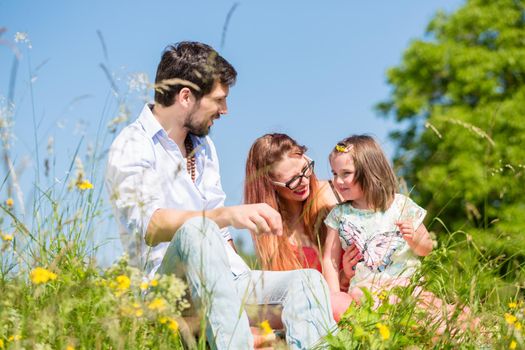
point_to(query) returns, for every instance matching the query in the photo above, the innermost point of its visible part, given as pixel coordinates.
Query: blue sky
(311, 69)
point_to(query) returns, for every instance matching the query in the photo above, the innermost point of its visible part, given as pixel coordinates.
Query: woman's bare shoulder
(327, 194)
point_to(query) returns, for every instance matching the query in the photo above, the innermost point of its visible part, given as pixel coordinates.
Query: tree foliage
(459, 96)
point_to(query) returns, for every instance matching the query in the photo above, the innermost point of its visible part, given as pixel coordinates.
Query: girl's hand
(350, 258)
(418, 240)
(407, 231)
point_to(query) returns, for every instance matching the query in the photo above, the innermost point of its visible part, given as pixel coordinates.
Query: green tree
(459, 96)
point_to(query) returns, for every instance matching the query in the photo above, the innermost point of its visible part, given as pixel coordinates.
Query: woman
(279, 173)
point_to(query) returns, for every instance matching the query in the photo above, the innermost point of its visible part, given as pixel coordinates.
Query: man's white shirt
(145, 172)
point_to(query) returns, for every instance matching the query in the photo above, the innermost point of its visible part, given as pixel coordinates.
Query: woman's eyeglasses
(295, 181)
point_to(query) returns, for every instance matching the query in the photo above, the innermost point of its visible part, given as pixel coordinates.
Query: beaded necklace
(190, 157)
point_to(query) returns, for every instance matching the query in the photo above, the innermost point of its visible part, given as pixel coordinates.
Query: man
(164, 184)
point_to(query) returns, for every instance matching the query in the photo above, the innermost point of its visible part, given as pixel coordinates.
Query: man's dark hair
(190, 64)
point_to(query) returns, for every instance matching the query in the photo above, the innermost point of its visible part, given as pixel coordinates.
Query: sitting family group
(319, 243)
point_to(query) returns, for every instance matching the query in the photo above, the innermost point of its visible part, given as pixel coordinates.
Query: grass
(55, 295)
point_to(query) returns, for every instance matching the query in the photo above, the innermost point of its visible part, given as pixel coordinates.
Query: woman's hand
(350, 258)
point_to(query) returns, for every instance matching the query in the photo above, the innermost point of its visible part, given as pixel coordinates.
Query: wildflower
(513, 345)
(123, 282)
(144, 286)
(513, 305)
(70, 347)
(139, 312)
(7, 237)
(157, 304)
(509, 318)
(265, 326)
(163, 319)
(383, 331)
(154, 282)
(40, 275)
(16, 337)
(517, 326)
(173, 325)
(382, 295)
(9, 202)
(1, 344)
(84, 185)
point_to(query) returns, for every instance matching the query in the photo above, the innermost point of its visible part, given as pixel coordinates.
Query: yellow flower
(265, 326)
(70, 347)
(383, 331)
(14, 338)
(144, 286)
(517, 326)
(511, 319)
(84, 185)
(154, 282)
(173, 325)
(139, 312)
(157, 304)
(9, 202)
(7, 237)
(382, 295)
(513, 305)
(513, 345)
(123, 283)
(1, 344)
(163, 319)
(40, 275)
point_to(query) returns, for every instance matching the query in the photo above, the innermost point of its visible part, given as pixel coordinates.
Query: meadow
(467, 170)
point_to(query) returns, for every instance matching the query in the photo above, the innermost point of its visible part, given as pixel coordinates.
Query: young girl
(386, 228)
(383, 228)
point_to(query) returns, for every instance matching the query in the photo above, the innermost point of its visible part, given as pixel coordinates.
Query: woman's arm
(331, 259)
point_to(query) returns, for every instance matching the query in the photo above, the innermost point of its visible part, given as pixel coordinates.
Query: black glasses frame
(309, 165)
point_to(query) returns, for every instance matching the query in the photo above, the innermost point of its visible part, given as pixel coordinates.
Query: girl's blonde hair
(373, 171)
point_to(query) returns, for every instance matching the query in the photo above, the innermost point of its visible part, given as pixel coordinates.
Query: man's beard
(197, 129)
(194, 127)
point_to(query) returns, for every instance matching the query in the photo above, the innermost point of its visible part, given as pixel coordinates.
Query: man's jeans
(303, 294)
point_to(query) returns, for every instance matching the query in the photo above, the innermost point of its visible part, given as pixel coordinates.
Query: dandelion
(1, 344)
(9, 202)
(265, 326)
(513, 305)
(144, 286)
(510, 319)
(139, 312)
(158, 304)
(154, 282)
(383, 331)
(123, 283)
(40, 275)
(163, 319)
(517, 326)
(16, 337)
(7, 237)
(513, 345)
(70, 347)
(84, 185)
(173, 325)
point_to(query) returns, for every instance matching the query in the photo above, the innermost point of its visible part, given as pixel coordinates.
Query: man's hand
(258, 218)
